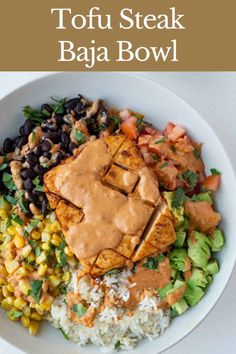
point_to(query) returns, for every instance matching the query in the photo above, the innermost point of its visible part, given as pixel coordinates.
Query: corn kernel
(7, 303)
(56, 240)
(46, 236)
(71, 261)
(55, 227)
(11, 266)
(21, 272)
(66, 277)
(45, 246)
(19, 230)
(42, 258)
(3, 271)
(26, 251)
(46, 302)
(10, 288)
(29, 267)
(24, 286)
(68, 252)
(3, 281)
(33, 328)
(31, 257)
(36, 235)
(10, 315)
(42, 269)
(35, 316)
(54, 281)
(19, 303)
(11, 230)
(39, 217)
(3, 214)
(26, 311)
(5, 291)
(25, 321)
(19, 241)
(39, 309)
(55, 292)
(1, 295)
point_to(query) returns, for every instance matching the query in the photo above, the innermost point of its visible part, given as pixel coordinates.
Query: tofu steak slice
(108, 203)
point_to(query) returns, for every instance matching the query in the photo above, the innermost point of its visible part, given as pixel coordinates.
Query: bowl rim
(186, 103)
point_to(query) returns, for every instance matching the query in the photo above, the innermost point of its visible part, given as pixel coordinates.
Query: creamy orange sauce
(175, 296)
(146, 278)
(107, 213)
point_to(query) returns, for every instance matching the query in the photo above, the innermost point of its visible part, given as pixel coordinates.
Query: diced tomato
(168, 129)
(125, 114)
(148, 130)
(212, 183)
(176, 133)
(144, 140)
(129, 127)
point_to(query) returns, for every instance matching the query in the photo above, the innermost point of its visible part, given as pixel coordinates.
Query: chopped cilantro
(8, 181)
(37, 252)
(36, 181)
(46, 113)
(58, 107)
(179, 198)
(21, 202)
(33, 243)
(63, 259)
(190, 177)
(62, 245)
(39, 188)
(15, 313)
(117, 121)
(36, 289)
(153, 262)
(165, 164)
(17, 219)
(79, 136)
(79, 309)
(118, 345)
(197, 153)
(162, 140)
(11, 199)
(214, 172)
(155, 157)
(139, 124)
(33, 224)
(3, 166)
(34, 114)
(62, 288)
(64, 334)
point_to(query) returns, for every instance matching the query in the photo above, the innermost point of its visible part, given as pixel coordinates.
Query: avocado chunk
(163, 292)
(193, 294)
(212, 267)
(199, 249)
(177, 213)
(177, 259)
(180, 238)
(217, 240)
(179, 307)
(198, 278)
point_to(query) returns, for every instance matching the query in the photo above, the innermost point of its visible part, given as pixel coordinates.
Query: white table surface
(213, 95)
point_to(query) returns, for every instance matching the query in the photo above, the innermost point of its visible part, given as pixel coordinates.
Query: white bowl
(159, 106)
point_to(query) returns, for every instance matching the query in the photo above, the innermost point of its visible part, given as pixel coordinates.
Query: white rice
(112, 328)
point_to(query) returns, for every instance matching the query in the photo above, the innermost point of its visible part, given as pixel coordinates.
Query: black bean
(49, 125)
(38, 151)
(22, 131)
(44, 206)
(7, 146)
(22, 141)
(59, 119)
(28, 173)
(53, 136)
(46, 145)
(28, 185)
(60, 156)
(32, 159)
(39, 170)
(74, 104)
(32, 198)
(71, 147)
(28, 126)
(46, 107)
(65, 138)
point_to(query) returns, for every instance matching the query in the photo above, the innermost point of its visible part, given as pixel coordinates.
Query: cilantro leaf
(21, 203)
(162, 140)
(62, 245)
(58, 107)
(15, 313)
(155, 157)
(34, 114)
(179, 198)
(39, 188)
(36, 289)
(165, 164)
(153, 262)
(118, 345)
(33, 243)
(37, 252)
(11, 199)
(63, 259)
(79, 309)
(79, 136)
(117, 121)
(33, 224)
(17, 219)
(36, 181)
(197, 153)
(3, 166)
(191, 178)
(62, 288)
(214, 171)
(64, 334)
(8, 181)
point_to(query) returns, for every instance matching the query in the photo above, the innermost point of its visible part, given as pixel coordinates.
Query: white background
(213, 95)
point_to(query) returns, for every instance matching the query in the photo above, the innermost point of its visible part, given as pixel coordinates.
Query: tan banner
(70, 35)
